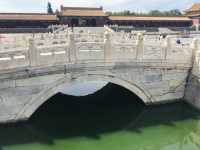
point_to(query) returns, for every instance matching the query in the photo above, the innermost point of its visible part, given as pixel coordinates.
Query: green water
(112, 119)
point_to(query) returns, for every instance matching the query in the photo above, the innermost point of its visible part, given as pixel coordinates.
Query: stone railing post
(197, 27)
(32, 50)
(107, 49)
(194, 47)
(167, 47)
(195, 56)
(168, 42)
(72, 48)
(42, 37)
(140, 46)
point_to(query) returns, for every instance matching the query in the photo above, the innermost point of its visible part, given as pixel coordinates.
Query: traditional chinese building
(80, 16)
(194, 14)
(91, 17)
(26, 22)
(150, 21)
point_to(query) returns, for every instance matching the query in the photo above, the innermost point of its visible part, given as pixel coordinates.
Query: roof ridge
(3, 13)
(154, 16)
(194, 7)
(144, 18)
(63, 8)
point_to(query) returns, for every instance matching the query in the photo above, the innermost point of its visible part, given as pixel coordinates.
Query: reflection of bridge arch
(30, 108)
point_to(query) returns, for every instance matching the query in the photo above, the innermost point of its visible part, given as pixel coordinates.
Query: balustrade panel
(53, 55)
(153, 50)
(51, 40)
(179, 52)
(90, 51)
(124, 51)
(87, 37)
(14, 59)
(13, 43)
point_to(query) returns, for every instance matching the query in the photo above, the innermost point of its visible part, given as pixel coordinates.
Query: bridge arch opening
(109, 110)
(30, 108)
(83, 89)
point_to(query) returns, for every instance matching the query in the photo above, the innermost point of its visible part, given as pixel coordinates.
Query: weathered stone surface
(7, 84)
(37, 81)
(29, 76)
(26, 95)
(153, 78)
(192, 94)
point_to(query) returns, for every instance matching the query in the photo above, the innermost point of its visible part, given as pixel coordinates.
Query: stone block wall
(22, 95)
(192, 92)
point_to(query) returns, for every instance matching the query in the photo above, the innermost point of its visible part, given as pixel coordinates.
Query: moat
(111, 119)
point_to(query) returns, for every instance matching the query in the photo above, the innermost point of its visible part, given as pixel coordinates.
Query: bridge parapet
(61, 48)
(196, 58)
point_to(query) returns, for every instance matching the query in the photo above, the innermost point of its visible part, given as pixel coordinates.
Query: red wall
(196, 21)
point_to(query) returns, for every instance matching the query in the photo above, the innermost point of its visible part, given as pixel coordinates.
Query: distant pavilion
(194, 14)
(27, 20)
(92, 17)
(138, 21)
(87, 16)
(82, 16)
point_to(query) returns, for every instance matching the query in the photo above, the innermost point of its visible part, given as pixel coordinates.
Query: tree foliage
(173, 12)
(49, 8)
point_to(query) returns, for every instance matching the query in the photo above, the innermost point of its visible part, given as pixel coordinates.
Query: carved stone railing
(89, 37)
(59, 28)
(50, 39)
(53, 49)
(196, 57)
(14, 59)
(13, 43)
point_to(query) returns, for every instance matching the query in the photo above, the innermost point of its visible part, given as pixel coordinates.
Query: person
(73, 25)
(178, 41)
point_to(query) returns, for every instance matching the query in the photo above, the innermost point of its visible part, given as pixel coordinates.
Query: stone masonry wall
(192, 92)
(21, 97)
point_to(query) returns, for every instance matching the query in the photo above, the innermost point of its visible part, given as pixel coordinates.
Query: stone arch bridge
(33, 69)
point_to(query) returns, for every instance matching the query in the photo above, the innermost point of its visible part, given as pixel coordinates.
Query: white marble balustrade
(61, 48)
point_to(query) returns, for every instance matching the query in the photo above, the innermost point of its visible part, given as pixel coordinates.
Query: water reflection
(83, 89)
(113, 118)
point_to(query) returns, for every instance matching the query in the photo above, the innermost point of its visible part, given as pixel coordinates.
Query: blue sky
(113, 5)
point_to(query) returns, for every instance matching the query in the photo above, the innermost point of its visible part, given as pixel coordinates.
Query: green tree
(109, 13)
(49, 8)
(175, 12)
(126, 13)
(155, 13)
